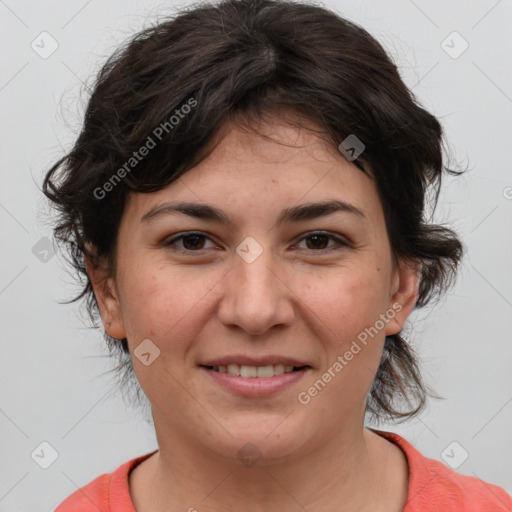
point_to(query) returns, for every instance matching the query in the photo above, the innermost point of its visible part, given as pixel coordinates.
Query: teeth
(233, 369)
(268, 371)
(254, 371)
(248, 371)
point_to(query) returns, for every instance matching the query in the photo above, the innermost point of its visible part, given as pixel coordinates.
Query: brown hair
(244, 58)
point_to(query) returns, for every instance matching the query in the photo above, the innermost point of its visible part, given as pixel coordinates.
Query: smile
(254, 381)
(255, 371)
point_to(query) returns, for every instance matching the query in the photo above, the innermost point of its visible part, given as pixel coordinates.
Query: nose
(256, 295)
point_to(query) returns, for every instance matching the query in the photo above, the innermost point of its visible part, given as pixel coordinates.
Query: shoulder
(93, 496)
(108, 492)
(435, 487)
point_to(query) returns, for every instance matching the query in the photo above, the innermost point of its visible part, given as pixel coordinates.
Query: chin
(263, 441)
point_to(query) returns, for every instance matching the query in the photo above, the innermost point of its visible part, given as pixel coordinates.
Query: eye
(192, 242)
(195, 242)
(319, 240)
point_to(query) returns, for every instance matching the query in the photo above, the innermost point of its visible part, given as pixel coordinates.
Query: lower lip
(255, 386)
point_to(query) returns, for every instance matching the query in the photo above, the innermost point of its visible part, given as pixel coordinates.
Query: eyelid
(185, 234)
(340, 241)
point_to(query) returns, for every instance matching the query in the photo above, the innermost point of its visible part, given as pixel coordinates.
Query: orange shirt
(433, 487)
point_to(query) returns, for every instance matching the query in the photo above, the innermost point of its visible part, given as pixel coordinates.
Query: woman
(246, 202)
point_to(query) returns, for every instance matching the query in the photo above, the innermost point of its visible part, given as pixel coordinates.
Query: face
(255, 286)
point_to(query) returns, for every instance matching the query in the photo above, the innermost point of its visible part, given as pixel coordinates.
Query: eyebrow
(293, 214)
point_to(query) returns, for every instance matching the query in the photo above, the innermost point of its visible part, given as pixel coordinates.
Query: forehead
(259, 168)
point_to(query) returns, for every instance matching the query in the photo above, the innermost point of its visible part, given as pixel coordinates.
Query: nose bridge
(255, 299)
(255, 276)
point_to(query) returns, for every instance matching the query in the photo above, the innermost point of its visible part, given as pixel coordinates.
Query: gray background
(52, 388)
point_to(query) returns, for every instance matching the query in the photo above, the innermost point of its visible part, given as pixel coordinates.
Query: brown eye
(195, 242)
(191, 242)
(319, 241)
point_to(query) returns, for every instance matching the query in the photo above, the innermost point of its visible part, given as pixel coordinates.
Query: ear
(107, 296)
(404, 293)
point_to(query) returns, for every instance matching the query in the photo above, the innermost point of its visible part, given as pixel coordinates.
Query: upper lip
(253, 361)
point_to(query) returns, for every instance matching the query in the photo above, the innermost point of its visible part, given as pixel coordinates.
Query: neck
(349, 471)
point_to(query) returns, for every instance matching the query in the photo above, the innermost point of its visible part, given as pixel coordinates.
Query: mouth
(259, 379)
(250, 372)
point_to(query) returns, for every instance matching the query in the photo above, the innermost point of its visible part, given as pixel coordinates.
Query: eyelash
(169, 243)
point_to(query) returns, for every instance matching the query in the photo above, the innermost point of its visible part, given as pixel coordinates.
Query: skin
(295, 299)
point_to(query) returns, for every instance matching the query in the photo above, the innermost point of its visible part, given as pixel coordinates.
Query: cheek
(349, 304)
(163, 305)
(346, 301)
